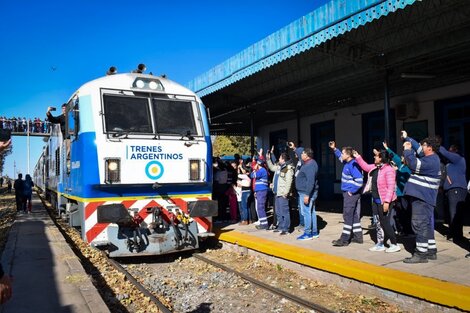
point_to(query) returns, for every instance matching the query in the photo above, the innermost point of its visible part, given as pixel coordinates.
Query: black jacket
(60, 119)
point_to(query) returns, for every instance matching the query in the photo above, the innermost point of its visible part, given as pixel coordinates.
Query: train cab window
(174, 117)
(72, 120)
(126, 115)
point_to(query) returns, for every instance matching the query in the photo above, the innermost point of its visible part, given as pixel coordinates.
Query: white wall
(348, 126)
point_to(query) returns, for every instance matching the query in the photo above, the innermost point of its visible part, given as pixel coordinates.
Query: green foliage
(242, 144)
(3, 155)
(229, 145)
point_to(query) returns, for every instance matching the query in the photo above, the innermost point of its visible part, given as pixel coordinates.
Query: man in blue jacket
(351, 185)
(306, 183)
(455, 187)
(261, 187)
(422, 188)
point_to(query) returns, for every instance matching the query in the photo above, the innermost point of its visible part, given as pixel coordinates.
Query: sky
(48, 49)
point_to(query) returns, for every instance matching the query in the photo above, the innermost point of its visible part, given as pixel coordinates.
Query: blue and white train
(133, 169)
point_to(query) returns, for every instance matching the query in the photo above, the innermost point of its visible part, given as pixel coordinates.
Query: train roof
(126, 80)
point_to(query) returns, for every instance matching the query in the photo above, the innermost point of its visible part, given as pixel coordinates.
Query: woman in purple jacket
(382, 187)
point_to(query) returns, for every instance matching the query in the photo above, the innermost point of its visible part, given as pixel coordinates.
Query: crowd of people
(20, 125)
(404, 191)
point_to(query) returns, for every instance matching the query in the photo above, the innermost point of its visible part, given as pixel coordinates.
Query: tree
(229, 145)
(3, 155)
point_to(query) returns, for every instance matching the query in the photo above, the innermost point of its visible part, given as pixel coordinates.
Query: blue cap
(298, 151)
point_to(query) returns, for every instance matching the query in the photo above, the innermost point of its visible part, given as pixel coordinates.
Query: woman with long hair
(382, 187)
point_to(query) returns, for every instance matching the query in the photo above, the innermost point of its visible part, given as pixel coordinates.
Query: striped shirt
(261, 179)
(425, 176)
(351, 177)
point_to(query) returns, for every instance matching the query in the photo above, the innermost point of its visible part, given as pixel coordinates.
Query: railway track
(139, 286)
(268, 288)
(199, 284)
(260, 284)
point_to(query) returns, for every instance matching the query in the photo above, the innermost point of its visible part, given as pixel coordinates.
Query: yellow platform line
(429, 289)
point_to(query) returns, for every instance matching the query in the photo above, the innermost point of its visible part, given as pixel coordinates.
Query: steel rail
(139, 286)
(113, 263)
(277, 291)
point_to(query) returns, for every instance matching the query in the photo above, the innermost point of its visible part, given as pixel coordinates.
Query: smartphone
(5, 134)
(52, 109)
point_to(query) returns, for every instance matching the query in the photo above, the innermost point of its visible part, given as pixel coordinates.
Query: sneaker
(415, 259)
(260, 227)
(276, 230)
(256, 223)
(377, 247)
(305, 237)
(283, 233)
(393, 248)
(339, 243)
(315, 235)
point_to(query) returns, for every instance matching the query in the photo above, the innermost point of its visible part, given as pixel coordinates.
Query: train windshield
(174, 117)
(127, 114)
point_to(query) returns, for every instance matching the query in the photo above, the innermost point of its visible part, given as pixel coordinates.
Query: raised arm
(365, 166)
(451, 156)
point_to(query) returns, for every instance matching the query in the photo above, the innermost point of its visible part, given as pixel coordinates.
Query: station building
(356, 72)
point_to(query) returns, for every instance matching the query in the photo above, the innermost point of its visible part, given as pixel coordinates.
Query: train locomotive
(132, 168)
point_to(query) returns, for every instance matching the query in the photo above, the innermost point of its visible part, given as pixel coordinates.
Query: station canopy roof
(336, 57)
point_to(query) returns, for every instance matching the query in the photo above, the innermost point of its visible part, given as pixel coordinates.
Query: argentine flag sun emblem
(154, 170)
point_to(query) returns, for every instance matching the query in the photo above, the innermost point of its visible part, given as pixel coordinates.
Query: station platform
(47, 275)
(445, 281)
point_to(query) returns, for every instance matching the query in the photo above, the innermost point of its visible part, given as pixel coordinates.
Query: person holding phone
(422, 188)
(306, 184)
(59, 119)
(382, 187)
(351, 186)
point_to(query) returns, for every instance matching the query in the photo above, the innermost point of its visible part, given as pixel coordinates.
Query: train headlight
(153, 85)
(194, 170)
(146, 83)
(112, 165)
(112, 171)
(139, 83)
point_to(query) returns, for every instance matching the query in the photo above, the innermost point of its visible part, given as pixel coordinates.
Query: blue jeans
(243, 205)
(309, 214)
(301, 217)
(282, 213)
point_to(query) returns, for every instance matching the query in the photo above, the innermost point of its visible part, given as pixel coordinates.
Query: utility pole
(27, 144)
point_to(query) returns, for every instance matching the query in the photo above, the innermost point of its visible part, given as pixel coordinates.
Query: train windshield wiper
(187, 136)
(119, 133)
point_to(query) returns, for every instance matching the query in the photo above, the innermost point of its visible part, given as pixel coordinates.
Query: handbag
(368, 186)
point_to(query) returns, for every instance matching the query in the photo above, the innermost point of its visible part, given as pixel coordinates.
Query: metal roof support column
(387, 107)
(252, 132)
(298, 129)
